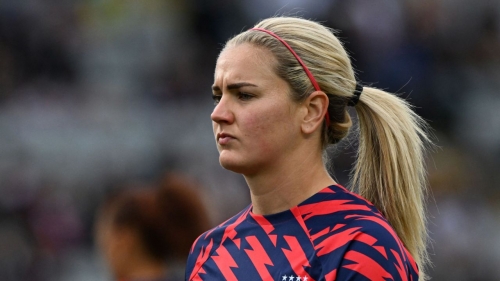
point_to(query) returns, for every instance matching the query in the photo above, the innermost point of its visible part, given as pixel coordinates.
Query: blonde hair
(389, 171)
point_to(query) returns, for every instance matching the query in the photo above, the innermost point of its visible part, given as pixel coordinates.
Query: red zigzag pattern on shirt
(259, 257)
(224, 262)
(296, 257)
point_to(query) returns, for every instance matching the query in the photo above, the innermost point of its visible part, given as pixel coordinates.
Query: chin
(231, 163)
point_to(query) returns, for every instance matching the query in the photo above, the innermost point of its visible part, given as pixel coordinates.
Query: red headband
(309, 74)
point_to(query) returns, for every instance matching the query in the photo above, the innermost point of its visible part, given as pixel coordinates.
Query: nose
(222, 112)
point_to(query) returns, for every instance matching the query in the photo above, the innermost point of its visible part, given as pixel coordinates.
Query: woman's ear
(316, 106)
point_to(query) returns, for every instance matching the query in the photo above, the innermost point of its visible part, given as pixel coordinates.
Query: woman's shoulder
(350, 235)
(341, 215)
(209, 241)
(336, 204)
(217, 234)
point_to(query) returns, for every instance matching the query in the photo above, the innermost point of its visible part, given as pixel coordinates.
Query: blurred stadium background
(105, 93)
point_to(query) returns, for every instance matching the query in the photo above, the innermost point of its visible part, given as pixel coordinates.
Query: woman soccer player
(281, 91)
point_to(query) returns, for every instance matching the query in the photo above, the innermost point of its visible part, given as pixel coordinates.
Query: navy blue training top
(334, 235)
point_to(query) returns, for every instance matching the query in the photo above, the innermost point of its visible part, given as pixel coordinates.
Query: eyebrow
(233, 86)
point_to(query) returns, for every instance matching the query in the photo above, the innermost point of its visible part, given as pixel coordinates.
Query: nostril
(218, 114)
(222, 114)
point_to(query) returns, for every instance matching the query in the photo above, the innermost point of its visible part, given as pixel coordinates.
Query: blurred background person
(145, 233)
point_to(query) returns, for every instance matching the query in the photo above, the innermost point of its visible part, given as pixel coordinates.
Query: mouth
(224, 138)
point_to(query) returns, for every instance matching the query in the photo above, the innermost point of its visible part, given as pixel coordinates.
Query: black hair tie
(357, 93)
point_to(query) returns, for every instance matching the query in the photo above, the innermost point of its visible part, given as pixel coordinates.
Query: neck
(288, 183)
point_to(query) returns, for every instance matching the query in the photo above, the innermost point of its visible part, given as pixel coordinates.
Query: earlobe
(316, 107)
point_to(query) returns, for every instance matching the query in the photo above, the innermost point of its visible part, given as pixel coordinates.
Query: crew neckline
(287, 215)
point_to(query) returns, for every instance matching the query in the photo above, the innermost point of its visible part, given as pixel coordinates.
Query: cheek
(267, 129)
(256, 125)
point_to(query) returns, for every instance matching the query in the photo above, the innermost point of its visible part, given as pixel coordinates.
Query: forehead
(245, 62)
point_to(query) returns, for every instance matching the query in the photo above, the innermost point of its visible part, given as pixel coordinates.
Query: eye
(244, 96)
(216, 98)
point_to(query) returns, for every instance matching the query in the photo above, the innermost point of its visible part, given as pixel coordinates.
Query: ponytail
(389, 171)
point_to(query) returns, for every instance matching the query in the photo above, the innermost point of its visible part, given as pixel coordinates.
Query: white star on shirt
(284, 277)
(298, 278)
(305, 278)
(290, 278)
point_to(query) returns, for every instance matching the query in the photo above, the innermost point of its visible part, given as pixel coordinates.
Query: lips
(224, 138)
